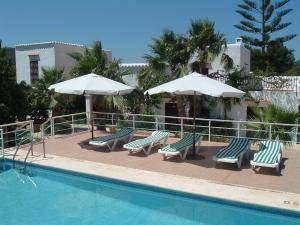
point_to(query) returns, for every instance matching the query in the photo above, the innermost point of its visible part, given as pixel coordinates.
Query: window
(34, 70)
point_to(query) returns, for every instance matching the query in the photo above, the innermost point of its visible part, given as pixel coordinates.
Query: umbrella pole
(92, 123)
(194, 124)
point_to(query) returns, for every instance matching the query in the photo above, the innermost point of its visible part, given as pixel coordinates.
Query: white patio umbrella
(91, 84)
(196, 84)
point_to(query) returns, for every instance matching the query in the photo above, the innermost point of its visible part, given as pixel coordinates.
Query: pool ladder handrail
(2, 143)
(29, 149)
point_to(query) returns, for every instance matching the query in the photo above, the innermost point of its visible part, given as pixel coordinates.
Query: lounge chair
(147, 143)
(181, 147)
(111, 140)
(269, 155)
(234, 152)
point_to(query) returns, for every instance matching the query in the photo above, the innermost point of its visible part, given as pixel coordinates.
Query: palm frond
(284, 12)
(279, 4)
(286, 38)
(251, 4)
(246, 15)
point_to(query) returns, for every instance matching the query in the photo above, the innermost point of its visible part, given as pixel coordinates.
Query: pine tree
(263, 19)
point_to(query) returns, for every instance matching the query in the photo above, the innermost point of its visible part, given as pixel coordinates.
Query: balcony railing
(65, 125)
(12, 134)
(211, 129)
(259, 83)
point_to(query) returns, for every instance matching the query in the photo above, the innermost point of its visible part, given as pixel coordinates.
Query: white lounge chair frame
(274, 165)
(147, 147)
(181, 153)
(111, 144)
(237, 160)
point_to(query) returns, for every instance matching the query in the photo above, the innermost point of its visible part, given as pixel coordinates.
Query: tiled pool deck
(200, 176)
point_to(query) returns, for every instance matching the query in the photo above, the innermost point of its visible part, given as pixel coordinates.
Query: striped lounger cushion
(234, 149)
(182, 144)
(268, 152)
(154, 137)
(119, 134)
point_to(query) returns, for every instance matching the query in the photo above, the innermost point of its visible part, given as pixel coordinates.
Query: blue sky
(124, 26)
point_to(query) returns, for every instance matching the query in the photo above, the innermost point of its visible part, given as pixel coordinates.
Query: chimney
(239, 40)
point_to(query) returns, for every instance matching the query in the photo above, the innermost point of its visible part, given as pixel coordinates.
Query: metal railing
(14, 132)
(211, 129)
(1, 143)
(259, 83)
(65, 125)
(26, 139)
(14, 135)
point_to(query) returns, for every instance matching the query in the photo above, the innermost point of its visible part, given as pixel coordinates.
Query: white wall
(239, 54)
(131, 80)
(133, 70)
(51, 55)
(245, 61)
(62, 59)
(238, 111)
(46, 59)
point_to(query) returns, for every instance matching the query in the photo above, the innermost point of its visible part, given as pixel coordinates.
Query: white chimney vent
(239, 40)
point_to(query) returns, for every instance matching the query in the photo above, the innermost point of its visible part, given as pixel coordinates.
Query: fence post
(73, 124)
(209, 130)
(156, 122)
(181, 127)
(16, 137)
(88, 120)
(31, 128)
(52, 126)
(112, 119)
(297, 130)
(43, 140)
(239, 127)
(32, 134)
(133, 121)
(270, 131)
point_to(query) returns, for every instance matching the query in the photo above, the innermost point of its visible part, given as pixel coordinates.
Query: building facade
(241, 59)
(238, 53)
(31, 58)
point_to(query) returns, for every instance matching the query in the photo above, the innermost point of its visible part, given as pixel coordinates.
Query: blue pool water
(43, 196)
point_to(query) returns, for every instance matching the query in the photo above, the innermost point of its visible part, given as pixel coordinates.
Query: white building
(237, 51)
(31, 58)
(239, 54)
(241, 59)
(133, 70)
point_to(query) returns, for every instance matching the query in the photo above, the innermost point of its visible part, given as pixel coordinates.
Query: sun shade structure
(91, 84)
(196, 84)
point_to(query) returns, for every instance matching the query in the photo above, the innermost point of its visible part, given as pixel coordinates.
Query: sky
(126, 27)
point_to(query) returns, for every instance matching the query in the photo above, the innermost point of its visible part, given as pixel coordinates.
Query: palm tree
(274, 114)
(206, 44)
(168, 61)
(94, 60)
(43, 99)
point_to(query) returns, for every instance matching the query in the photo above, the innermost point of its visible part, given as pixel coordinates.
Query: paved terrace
(77, 147)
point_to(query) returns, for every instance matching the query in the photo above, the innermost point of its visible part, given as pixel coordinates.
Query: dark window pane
(34, 71)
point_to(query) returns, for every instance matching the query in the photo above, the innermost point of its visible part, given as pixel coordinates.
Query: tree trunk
(263, 48)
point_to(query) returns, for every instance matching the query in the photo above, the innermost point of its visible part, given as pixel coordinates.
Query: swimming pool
(55, 197)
